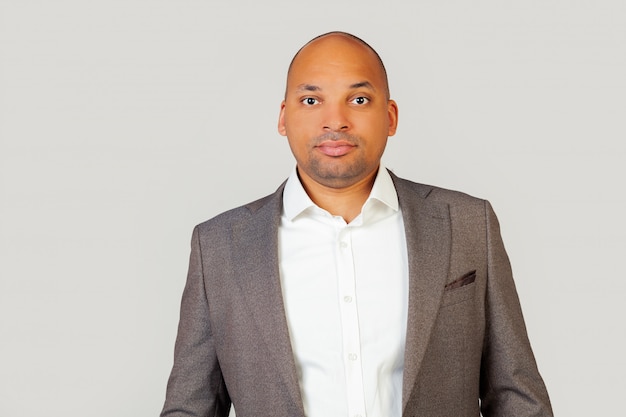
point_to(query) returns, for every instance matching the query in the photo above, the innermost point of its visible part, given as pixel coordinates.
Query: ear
(281, 120)
(392, 112)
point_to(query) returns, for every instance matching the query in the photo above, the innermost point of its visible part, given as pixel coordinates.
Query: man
(350, 291)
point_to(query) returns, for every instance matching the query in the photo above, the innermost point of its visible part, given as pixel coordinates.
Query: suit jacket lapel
(428, 238)
(259, 279)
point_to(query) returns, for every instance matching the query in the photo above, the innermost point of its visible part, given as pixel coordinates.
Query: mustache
(336, 136)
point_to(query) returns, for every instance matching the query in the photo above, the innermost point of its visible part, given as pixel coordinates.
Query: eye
(310, 101)
(360, 100)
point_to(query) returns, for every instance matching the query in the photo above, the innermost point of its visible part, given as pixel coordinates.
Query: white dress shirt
(345, 288)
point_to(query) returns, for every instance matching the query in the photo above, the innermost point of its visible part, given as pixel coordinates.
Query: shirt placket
(351, 339)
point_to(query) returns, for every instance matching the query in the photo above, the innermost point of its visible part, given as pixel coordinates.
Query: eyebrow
(365, 84)
(308, 87)
(311, 87)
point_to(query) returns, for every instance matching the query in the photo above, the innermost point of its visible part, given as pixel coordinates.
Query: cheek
(298, 147)
(377, 149)
(301, 121)
(375, 121)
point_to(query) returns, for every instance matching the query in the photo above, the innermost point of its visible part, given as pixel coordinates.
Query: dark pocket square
(463, 280)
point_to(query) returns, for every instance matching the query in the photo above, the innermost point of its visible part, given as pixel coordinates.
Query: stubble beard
(340, 171)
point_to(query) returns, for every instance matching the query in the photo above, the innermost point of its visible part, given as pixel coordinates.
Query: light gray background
(125, 123)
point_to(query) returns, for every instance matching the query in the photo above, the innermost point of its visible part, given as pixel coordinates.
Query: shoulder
(453, 199)
(469, 217)
(264, 209)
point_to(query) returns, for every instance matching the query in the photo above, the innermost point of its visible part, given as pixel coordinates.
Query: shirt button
(352, 356)
(347, 299)
(343, 245)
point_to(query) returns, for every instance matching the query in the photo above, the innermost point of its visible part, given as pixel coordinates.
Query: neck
(345, 201)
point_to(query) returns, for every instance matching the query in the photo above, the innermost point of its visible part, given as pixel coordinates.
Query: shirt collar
(296, 201)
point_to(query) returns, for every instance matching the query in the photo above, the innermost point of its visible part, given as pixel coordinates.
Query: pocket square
(463, 280)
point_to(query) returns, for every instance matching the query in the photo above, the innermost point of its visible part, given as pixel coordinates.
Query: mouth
(335, 148)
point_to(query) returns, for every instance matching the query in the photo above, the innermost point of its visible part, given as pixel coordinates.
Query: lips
(335, 148)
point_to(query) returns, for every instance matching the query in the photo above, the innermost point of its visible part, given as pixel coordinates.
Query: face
(336, 113)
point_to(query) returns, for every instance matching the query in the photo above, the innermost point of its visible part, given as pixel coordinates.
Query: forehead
(335, 58)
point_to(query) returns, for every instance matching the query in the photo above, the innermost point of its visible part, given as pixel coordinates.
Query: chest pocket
(458, 295)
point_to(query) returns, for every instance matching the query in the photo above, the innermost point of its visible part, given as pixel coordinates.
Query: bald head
(324, 45)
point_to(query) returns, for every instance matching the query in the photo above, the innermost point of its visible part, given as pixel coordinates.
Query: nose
(336, 119)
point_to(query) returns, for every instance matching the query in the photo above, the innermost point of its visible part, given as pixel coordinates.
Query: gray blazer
(467, 350)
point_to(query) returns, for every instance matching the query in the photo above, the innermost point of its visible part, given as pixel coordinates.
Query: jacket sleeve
(196, 386)
(510, 382)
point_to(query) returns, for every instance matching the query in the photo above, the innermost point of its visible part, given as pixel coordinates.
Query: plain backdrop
(125, 123)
